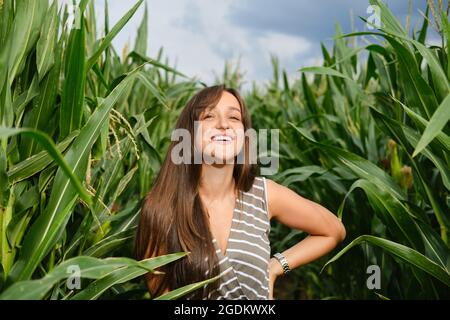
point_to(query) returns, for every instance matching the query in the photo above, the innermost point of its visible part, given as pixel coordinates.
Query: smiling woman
(83, 126)
(219, 210)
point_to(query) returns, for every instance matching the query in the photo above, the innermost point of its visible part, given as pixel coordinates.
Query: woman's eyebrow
(208, 109)
(231, 108)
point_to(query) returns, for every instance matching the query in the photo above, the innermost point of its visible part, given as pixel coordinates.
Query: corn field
(84, 130)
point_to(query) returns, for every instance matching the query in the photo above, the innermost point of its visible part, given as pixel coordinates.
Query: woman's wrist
(276, 267)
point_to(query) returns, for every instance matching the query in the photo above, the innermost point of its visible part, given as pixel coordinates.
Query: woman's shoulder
(271, 190)
(258, 185)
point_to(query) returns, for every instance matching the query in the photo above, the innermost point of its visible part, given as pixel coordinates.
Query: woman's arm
(324, 228)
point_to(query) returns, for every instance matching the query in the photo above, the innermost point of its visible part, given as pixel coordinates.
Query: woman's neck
(216, 181)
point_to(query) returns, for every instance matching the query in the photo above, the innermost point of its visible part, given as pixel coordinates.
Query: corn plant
(82, 134)
(369, 140)
(84, 128)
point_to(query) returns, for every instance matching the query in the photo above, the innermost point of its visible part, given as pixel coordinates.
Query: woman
(220, 210)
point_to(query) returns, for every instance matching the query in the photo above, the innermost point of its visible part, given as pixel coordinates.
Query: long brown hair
(173, 218)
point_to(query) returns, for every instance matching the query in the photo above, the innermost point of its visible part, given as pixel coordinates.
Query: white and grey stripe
(248, 251)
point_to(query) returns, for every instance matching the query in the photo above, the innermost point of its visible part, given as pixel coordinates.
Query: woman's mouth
(221, 139)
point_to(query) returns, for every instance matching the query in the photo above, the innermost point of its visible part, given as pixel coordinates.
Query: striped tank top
(244, 268)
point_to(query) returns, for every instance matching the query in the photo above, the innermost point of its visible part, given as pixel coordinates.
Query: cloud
(182, 43)
(313, 20)
(199, 35)
(202, 37)
(283, 45)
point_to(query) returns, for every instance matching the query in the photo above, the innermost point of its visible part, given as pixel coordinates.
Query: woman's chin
(219, 159)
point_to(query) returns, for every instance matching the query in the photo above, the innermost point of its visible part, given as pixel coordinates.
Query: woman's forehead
(227, 106)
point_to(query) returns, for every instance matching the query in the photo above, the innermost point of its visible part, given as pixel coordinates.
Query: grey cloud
(314, 20)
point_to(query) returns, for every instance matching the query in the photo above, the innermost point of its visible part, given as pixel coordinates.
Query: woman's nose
(222, 123)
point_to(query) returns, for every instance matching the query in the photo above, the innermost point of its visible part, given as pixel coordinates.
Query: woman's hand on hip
(275, 270)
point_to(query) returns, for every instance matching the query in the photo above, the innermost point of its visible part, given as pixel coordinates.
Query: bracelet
(282, 259)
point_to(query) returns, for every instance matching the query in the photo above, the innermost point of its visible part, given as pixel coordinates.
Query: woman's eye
(207, 116)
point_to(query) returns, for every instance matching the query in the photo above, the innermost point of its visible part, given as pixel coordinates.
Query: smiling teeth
(221, 138)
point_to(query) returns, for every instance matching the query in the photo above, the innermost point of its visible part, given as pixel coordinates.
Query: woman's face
(221, 131)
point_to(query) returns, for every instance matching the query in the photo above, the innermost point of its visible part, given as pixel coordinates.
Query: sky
(198, 36)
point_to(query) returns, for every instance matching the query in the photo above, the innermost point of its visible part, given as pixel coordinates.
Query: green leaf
(154, 88)
(437, 122)
(72, 97)
(388, 20)
(110, 36)
(36, 163)
(96, 288)
(83, 267)
(17, 225)
(111, 242)
(23, 99)
(179, 292)
(45, 141)
(299, 174)
(446, 29)
(438, 74)
(24, 33)
(435, 248)
(140, 59)
(394, 128)
(417, 91)
(45, 56)
(311, 102)
(4, 181)
(405, 253)
(140, 44)
(391, 211)
(43, 110)
(359, 166)
(441, 138)
(413, 138)
(324, 70)
(439, 78)
(44, 232)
